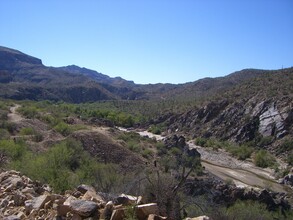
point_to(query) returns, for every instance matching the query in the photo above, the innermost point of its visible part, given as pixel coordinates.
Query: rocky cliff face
(239, 121)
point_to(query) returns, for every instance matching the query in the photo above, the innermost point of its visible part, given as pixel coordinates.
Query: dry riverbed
(228, 168)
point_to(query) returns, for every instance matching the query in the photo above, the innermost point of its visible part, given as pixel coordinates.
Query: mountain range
(25, 77)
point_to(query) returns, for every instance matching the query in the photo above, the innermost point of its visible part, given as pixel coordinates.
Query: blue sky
(151, 41)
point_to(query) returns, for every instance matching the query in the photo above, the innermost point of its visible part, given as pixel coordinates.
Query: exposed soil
(13, 116)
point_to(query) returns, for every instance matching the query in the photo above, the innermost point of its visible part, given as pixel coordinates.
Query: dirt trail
(13, 116)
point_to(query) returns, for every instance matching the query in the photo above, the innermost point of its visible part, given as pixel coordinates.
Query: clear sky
(151, 41)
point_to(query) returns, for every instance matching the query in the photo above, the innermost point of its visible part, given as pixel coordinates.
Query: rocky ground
(22, 198)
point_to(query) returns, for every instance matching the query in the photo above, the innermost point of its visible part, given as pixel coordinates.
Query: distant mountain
(25, 77)
(98, 77)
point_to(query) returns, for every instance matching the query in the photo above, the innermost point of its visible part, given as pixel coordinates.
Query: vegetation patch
(241, 152)
(264, 159)
(63, 166)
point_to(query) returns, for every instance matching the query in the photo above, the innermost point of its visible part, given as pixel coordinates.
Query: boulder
(12, 217)
(155, 217)
(93, 196)
(62, 210)
(143, 211)
(84, 208)
(288, 180)
(175, 141)
(39, 202)
(128, 199)
(108, 210)
(84, 188)
(117, 214)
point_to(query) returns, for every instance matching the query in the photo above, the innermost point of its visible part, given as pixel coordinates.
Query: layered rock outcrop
(239, 121)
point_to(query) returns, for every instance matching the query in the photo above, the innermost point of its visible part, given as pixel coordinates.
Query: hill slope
(259, 110)
(25, 77)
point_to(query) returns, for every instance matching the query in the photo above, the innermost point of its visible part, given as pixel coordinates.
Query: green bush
(4, 134)
(64, 166)
(13, 150)
(155, 129)
(264, 141)
(29, 111)
(27, 131)
(9, 126)
(241, 152)
(248, 210)
(63, 128)
(201, 141)
(161, 148)
(133, 146)
(287, 145)
(264, 159)
(52, 121)
(146, 153)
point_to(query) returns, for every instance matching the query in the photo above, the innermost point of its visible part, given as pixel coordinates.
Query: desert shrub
(175, 151)
(241, 152)
(103, 177)
(146, 153)
(210, 143)
(66, 165)
(201, 141)
(3, 115)
(4, 134)
(63, 128)
(287, 145)
(130, 213)
(248, 210)
(14, 151)
(27, 131)
(264, 141)
(133, 145)
(9, 126)
(264, 159)
(36, 136)
(161, 148)
(157, 128)
(51, 120)
(129, 136)
(29, 111)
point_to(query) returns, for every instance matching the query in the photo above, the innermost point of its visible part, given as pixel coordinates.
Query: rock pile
(22, 198)
(288, 179)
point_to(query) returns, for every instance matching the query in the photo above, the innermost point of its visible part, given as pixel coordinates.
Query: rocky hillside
(258, 110)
